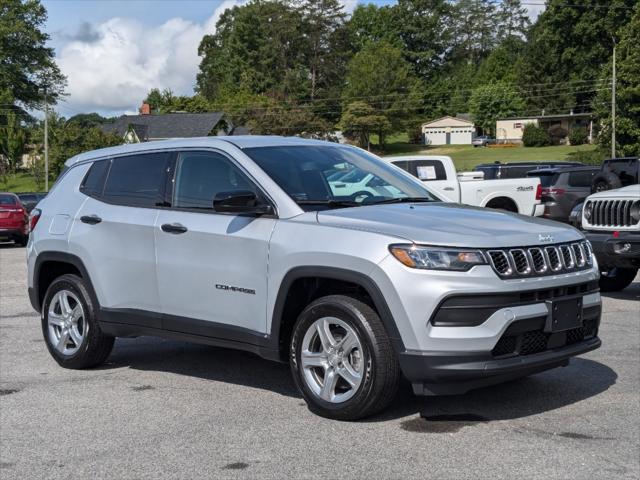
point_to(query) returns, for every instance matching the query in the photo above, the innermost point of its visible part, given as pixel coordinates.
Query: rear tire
(617, 279)
(360, 363)
(70, 327)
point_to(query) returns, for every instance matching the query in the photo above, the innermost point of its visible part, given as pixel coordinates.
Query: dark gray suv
(563, 189)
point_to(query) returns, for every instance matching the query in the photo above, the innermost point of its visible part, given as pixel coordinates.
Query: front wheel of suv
(70, 326)
(342, 359)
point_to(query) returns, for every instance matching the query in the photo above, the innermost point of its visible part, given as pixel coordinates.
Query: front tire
(617, 279)
(342, 360)
(70, 326)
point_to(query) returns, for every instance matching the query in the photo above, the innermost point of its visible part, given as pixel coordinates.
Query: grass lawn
(466, 157)
(20, 182)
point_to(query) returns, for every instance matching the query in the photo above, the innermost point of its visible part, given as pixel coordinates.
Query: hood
(630, 191)
(451, 225)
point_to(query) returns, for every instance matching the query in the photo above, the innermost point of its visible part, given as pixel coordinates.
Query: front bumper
(528, 345)
(604, 247)
(433, 374)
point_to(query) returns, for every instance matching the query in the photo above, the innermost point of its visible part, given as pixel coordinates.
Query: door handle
(90, 219)
(173, 228)
(448, 189)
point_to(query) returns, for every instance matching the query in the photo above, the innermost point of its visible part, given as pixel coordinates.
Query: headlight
(437, 258)
(588, 209)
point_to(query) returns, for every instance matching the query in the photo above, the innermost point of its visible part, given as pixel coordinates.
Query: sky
(114, 51)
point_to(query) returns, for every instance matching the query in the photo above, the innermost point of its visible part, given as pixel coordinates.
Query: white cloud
(111, 66)
(534, 11)
(113, 69)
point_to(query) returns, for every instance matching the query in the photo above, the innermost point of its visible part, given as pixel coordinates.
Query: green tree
(257, 47)
(88, 120)
(325, 55)
(27, 65)
(566, 50)
(381, 77)
(475, 30)
(370, 23)
(503, 63)
(627, 93)
(13, 139)
(359, 120)
(427, 32)
(67, 139)
(512, 19)
(492, 101)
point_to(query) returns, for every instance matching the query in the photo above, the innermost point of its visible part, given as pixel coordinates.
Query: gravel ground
(175, 410)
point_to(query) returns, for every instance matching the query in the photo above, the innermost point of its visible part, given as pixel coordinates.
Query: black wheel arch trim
(62, 257)
(341, 274)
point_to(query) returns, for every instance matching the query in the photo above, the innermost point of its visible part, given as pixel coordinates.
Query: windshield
(7, 199)
(317, 176)
(546, 179)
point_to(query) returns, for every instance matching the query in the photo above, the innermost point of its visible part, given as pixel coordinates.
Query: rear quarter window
(580, 179)
(546, 180)
(93, 183)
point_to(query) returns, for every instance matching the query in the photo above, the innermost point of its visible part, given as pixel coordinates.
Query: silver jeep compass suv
(253, 243)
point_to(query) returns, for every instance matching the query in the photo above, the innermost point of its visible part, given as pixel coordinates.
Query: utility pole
(46, 141)
(613, 104)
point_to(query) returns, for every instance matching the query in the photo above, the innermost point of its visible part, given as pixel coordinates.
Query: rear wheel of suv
(617, 279)
(69, 325)
(342, 359)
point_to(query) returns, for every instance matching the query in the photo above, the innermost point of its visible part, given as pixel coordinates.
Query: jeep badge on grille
(545, 238)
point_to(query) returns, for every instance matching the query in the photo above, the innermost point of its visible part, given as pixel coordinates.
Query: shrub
(557, 134)
(589, 157)
(578, 136)
(534, 136)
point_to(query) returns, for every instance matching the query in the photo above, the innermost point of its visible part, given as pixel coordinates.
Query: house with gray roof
(146, 127)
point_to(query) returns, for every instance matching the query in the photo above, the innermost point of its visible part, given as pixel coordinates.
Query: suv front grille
(612, 213)
(537, 261)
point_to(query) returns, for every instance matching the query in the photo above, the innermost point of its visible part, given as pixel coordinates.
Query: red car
(14, 220)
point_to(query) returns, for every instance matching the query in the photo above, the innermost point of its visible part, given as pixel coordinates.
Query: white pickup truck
(521, 195)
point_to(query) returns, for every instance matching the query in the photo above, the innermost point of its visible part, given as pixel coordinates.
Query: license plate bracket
(563, 315)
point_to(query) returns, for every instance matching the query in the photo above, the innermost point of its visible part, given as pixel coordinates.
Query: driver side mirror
(240, 201)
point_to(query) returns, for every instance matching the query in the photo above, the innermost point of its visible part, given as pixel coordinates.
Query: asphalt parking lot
(175, 410)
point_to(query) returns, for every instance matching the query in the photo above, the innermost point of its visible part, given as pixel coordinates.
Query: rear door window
(138, 180)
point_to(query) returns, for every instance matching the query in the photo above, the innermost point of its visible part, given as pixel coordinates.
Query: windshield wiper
(330, 203)
(402, 200)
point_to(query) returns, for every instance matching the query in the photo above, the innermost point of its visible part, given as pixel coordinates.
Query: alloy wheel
(66, 322)
(332, 360)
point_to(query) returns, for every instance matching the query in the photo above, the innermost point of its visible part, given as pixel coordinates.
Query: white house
(448, 131)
